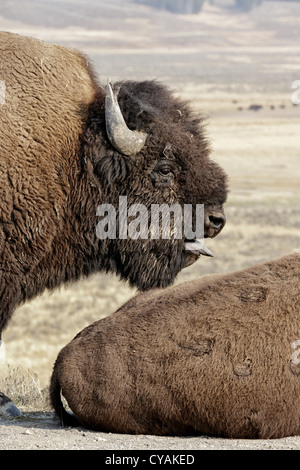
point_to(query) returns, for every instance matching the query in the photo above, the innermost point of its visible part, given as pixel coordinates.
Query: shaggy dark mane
(143, 103)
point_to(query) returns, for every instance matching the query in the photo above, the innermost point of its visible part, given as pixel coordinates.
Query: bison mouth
(196, 247)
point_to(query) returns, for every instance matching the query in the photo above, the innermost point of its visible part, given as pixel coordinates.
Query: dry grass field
(224, 62)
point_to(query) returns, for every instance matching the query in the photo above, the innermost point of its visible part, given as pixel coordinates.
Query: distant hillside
(141, 25)
(61, 14)
(219, 47)
(187, 7)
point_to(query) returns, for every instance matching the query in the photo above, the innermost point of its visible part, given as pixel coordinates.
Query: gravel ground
(41, 431)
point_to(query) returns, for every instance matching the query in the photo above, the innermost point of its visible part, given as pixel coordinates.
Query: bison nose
(213, 224)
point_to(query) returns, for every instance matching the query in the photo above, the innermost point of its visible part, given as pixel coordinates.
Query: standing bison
(217, 356)
(68, 145)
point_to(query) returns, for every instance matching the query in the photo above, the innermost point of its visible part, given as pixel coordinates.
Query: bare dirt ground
(247, 61)
(41, 432)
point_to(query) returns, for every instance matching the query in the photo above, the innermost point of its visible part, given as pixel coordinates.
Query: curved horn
(121, 137)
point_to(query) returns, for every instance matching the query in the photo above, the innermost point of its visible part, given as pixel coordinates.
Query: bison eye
(165, 171)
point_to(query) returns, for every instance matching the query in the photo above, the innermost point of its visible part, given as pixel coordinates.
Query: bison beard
(153, 266)
(59, 161)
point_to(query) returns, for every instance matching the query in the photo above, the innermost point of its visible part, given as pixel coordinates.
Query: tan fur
(41, 127)
(48, 90)
(213, 356)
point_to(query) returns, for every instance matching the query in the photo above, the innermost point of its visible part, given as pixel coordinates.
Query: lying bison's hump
(46, 87)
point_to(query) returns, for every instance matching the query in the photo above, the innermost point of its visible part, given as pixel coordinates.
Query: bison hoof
(7, 408)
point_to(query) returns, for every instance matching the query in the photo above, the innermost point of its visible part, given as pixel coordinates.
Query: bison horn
(121, 137)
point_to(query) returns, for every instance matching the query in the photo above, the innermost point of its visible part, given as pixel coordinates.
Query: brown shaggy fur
(213, 356)
(57, 165)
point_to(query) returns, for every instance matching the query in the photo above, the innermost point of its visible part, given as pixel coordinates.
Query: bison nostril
(216, 222)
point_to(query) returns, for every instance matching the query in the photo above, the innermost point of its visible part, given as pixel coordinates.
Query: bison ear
(123, 139)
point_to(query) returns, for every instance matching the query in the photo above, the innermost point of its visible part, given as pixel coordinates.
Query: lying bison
(217, 356)
(65, 148)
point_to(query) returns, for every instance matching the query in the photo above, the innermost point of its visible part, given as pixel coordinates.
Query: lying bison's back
(214, 356)
(46, 89)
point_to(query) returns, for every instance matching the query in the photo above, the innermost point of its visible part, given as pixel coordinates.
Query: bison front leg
(7, 408)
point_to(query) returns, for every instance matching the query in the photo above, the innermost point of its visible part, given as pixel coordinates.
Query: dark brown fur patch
(198, 346)
(253, 294)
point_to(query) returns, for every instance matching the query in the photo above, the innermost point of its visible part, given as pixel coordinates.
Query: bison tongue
(197, 247)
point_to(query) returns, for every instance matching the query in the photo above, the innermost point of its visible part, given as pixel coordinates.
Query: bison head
(144, 143)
